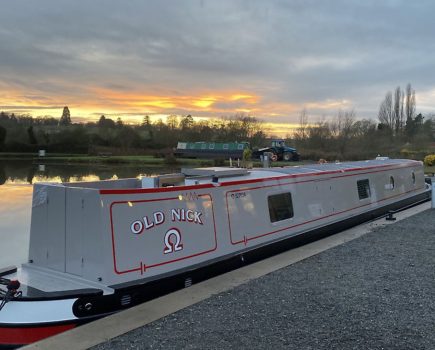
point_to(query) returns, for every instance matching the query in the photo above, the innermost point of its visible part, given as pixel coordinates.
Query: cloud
(189, 57)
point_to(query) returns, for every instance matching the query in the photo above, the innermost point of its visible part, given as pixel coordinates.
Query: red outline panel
(25, 335)
(245, 239)
(141, 266)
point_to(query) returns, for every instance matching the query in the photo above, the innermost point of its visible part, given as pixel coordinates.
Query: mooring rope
(10, 292)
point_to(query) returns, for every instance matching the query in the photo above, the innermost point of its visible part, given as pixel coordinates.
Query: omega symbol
(172, 241)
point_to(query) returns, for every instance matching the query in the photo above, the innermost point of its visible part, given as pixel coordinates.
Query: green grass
(141, 160)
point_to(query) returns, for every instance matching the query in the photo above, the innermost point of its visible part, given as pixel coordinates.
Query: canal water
(16, 179)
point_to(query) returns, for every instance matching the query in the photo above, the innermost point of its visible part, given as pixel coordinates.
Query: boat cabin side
(121, 230)
(87, 229)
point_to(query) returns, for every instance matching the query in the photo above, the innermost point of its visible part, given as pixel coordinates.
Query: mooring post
(390, 216)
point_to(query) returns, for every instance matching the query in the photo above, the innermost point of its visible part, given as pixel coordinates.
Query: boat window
(391, 182)
(211, 146)
(240, 146)
(225, 145)
(413, 178)
(280, 206)
(363, 188)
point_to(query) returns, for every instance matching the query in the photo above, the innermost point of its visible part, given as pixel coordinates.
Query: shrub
(170, 159)
(247, 154)
(429, 160)
(218, 162)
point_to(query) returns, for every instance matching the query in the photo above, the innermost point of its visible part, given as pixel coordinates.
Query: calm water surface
(16, 179)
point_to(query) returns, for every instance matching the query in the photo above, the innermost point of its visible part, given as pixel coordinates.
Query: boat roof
(234, 174)
(338, 166)
(191, 177)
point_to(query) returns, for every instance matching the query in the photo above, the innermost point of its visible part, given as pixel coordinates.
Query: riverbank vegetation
(398, 131)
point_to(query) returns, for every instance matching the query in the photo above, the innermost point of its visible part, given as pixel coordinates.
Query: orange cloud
(89, 104)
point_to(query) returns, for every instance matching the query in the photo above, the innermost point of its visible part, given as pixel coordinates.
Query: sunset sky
(269, 59)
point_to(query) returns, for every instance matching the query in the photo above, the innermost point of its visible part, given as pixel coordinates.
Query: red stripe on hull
(26, 335)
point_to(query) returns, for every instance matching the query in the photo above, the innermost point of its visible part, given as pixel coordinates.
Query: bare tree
(398, 110)
(344, 129)
(301, 132)
(385, 114)
(409, 102)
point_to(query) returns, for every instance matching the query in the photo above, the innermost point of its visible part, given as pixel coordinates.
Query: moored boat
(100, 247)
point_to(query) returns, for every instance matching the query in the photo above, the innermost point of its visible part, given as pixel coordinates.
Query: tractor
(279, 151)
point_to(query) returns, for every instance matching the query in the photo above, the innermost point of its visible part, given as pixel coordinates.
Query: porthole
(391, 182)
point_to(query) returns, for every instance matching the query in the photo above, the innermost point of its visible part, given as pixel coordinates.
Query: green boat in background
(224, 150)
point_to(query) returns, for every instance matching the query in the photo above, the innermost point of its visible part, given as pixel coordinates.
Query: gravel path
(375, 292)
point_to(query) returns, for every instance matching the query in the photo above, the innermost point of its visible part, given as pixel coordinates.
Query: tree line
(398, 132)
(23, 133)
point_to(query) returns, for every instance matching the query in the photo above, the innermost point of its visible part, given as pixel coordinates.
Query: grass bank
(147, 160)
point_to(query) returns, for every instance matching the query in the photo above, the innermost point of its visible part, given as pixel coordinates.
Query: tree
(146, 121)
(172, 122)
(301, 132)
(104, 122)
(409, 102)
(3, 133)
(101, 121)
(385, 114)
(32, 138)
(342, 129)
(119, 122)
(146, 125)
(186, 122)
(398, 110)
(65, 120)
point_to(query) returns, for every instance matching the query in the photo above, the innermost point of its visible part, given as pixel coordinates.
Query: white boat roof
(338, 166)
(210, 175)
(235, 174)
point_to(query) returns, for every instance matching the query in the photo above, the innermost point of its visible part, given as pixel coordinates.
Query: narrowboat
(100, 247)
(224, 150)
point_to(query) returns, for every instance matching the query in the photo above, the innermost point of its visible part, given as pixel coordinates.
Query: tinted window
(363, 189)
(280, 206)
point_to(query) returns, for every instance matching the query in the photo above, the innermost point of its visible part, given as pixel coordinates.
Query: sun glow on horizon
(132, 106)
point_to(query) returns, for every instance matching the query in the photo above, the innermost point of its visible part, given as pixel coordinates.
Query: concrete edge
(117, 324)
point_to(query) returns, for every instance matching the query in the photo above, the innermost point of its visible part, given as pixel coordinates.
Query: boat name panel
(148, 233)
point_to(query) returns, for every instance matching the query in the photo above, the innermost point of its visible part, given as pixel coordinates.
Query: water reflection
(16, 179)
(15, 207)
(27, 172)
